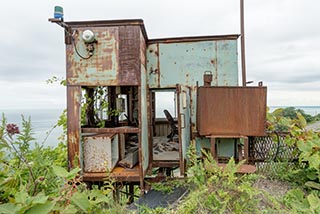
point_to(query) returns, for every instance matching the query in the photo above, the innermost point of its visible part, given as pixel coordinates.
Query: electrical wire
(75, 48)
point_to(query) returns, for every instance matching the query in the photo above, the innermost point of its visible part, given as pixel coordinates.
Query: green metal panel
(184, 123)
(153, 66)
(225, 147)
(227, 59)
(144, 120)
(185, 63)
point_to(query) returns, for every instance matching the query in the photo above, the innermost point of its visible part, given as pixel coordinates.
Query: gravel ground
(314, 126)
(275, 188)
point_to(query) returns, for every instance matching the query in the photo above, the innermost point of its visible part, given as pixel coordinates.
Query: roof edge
(110, 23)
(194, 38)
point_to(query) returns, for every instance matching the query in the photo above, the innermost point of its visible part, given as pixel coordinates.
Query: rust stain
(235, 110)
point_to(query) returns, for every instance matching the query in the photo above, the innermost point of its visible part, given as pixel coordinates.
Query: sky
(282, 43)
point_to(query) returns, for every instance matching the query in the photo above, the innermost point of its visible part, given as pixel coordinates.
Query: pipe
(243, 51)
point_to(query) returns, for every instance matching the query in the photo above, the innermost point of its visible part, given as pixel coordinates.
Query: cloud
(282, 41)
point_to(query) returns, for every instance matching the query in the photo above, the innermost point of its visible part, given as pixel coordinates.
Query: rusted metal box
(100, 152)
(231, 111)
(117, 56)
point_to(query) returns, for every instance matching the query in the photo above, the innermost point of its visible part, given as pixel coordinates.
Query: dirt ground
(275, 188)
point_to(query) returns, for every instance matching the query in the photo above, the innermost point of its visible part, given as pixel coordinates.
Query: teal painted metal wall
(144, 121)
(185, 62)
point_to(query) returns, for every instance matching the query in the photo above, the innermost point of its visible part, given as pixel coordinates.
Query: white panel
(100, 152)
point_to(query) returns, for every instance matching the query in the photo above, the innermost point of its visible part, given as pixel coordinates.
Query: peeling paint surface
(100, 152)
(102, 67)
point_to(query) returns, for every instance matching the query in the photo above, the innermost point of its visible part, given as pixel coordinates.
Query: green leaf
(70, 209)
(40, 199)
(313, 185)
(21, 197)
(73, 173)
(301, 120)
(41, 208)
(297, 194)
(312, 175)
(9, 208)
(60, 172)
(305, 146)
(314, 161)
(314, 201)
(81, 201)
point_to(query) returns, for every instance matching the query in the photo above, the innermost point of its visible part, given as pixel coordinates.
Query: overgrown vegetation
(37, 181)
(306, 173)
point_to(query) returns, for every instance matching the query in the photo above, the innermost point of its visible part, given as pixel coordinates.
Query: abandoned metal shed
(114, 72)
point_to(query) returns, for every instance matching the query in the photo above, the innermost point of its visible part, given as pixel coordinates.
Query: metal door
(183, 98)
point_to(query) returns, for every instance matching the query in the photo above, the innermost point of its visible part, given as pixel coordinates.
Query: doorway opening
(165, 126)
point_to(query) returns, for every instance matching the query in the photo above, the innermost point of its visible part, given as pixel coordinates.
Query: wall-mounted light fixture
(88, 36)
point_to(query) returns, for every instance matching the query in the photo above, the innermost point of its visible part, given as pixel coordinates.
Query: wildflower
(12, 129)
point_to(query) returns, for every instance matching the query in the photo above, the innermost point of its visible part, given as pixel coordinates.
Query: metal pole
(243, 51)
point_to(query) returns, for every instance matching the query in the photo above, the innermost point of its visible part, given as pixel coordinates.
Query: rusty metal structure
(113, 74)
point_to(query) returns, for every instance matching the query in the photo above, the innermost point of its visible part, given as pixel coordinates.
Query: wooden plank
(166, 156)
(130, 159)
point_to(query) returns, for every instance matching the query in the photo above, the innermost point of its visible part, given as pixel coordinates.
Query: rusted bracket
(67, 29)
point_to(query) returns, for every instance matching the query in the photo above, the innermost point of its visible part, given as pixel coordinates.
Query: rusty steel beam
(73, 125)
(124, 129)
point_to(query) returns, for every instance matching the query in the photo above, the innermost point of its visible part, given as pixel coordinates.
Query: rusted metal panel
(119, 173)
(153, 68)
(110, 23)
(100, 69)
(73, 124)
(115, 60)
(122, 129)
(129, 55)
(100, 152)
(232, 110)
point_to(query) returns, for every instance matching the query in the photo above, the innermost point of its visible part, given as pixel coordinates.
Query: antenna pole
(243, 51)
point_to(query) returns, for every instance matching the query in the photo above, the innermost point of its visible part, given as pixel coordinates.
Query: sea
(43, 121)
(312, 110)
